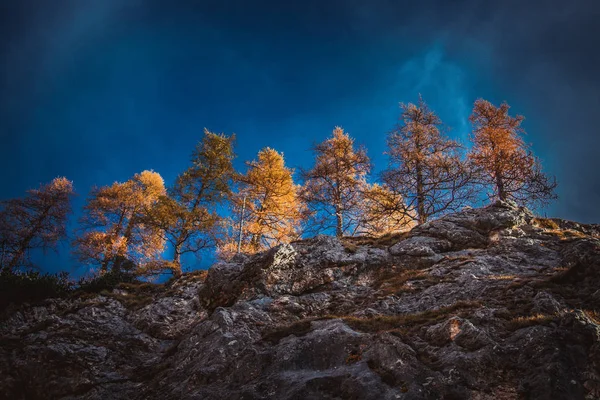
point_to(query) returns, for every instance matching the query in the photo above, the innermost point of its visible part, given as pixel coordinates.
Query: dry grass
(397, 283)
(381, 323)
(551, 227)
(530, 320)
(566, 234)
(298, 328)
(140, 287)
(545, 223)
(350, 246)
(382, 241)
(356, 354)
(593, 315)
(458, 261)
(408, 280)
(402, 323)
(198, 275)
(132, 301)
(134, 295)
(501, 277)
(541, 282)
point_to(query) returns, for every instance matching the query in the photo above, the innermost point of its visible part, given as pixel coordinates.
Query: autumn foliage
(143, 227)
(114, 233)
(384, 211)
(426, 168)
(267, 210)
(503, 160)
(187, 216)
(334, 186)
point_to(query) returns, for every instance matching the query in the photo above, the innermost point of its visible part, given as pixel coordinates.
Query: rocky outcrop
(487, 303)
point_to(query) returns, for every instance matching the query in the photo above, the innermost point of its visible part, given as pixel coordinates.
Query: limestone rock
(482, 304)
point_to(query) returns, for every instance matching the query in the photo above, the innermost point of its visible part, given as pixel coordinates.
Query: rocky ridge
(489, 303)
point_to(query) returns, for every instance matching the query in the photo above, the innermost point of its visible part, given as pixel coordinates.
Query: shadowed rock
(488, 303)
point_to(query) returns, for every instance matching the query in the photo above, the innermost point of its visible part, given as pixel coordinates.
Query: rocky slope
(487, 303)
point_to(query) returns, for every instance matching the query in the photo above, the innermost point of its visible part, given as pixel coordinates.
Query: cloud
(442, 82)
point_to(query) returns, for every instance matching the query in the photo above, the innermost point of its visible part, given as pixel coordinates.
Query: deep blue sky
(97, 90)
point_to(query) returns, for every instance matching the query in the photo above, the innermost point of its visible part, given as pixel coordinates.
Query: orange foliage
(384, 212)
(114, 233)
(503, 159)
(426, 168)
(334, 187)
(188, 216)
(267, 208)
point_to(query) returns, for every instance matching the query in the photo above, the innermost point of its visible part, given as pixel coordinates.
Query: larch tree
(503, 160)
(115, 234)
(37, 221)
(334, 186)
(384, 212)
(188, 214)
(426, 168)
(267, 210)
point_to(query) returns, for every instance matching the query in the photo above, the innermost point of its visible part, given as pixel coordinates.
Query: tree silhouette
(37, 221)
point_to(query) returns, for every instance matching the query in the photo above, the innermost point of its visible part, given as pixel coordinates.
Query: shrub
(403, 322)
(32, 286)
(108, 281)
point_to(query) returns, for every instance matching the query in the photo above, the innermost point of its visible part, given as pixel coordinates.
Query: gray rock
(421, 246)
(546, 303)
(480, 304)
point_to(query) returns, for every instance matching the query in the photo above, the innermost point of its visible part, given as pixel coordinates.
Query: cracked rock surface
(488, 303)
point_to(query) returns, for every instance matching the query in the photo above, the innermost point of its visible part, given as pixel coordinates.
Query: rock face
(488, 303)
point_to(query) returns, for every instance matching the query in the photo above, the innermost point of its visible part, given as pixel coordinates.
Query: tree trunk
(122, 252)
(421, 217)
(180, 241)
(16, 258)
(239, 246)
(24, 244)
(112, 257)
(104, 265)
(339, 219)
(502, 195)
(177, 260)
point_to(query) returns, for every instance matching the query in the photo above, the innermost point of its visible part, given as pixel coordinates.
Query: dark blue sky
(97, 90)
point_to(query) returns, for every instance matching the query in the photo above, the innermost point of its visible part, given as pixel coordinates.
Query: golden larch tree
(426, 168)
(37, 221)
(333, 187)
(384, 212)
(188, 214)
(503, 160)
(267, 210)
(115, 234)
